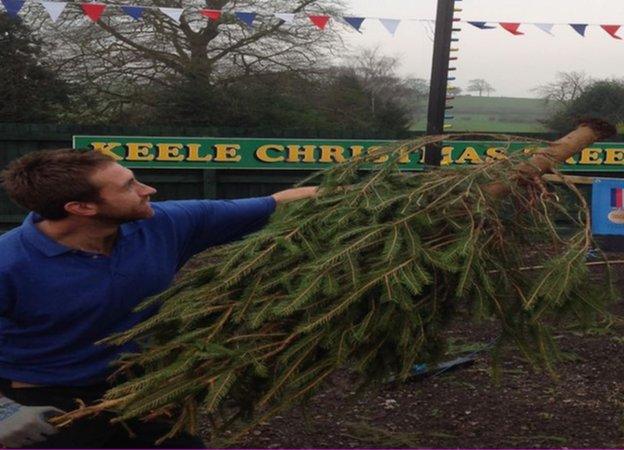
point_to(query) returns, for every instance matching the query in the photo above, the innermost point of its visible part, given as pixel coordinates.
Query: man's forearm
(290, 195)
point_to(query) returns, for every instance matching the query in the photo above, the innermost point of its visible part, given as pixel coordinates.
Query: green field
(494, 114)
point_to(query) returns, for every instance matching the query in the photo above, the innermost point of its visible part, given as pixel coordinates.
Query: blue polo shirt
(56, 302)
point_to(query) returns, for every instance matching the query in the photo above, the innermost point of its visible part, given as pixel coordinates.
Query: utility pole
(439, 77)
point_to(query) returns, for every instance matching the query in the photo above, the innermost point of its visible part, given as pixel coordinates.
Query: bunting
(546, 27)
(285, 17)
(211, 14)
(355, 22)
(246, 17)
(136, 12)
(481, 25)
(94, 12)
(580, 28)
(612, 30)
(390, 24)
(13, 7)
(512, 28)
(319, 21)
(54, 9)
(173, 13)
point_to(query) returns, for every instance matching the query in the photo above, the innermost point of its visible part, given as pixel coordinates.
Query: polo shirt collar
(41, 241)
(49, 246)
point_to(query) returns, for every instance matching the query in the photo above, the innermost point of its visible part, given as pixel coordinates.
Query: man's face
(122, 197)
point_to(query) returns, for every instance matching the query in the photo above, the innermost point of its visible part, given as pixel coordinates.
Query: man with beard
(91, 249)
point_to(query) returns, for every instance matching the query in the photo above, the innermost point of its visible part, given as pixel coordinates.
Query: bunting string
(95, 10)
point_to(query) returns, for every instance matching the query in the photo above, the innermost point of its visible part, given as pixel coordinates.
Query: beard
(117, 216)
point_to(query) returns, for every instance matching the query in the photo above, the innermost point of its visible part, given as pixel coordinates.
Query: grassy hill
(494, 114)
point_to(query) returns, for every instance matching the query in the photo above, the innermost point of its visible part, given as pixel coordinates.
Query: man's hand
(24, 425)
(295, 194)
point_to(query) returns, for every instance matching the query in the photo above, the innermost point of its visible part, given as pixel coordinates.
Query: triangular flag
(355, 22)
(579, 28)
(212, 14)
(286, 17)
(13, 6)
(319, 21)
(482, 25)
(54, 9)
(511, 27)
(545, 27)
(612, 30)
(136, 12)
(390, 25)
(172, 13)
(93, 10)
(246, 17)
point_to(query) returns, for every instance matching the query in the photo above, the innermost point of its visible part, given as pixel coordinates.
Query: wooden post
(439, 77)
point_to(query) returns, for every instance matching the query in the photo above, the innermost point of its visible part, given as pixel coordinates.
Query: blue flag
(482, 25)
(246, 17)
(136, 12)
(608, 206)
(13, 6)
(355, 22)
(579, 28)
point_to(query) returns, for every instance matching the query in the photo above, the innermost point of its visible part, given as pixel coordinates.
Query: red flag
(212, 14)
(511, 27)
(612, 30)
(93, 10)
(319, 21)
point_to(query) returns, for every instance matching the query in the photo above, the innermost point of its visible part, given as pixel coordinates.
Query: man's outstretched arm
(300, 193)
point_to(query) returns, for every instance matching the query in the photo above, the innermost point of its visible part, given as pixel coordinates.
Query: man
(92, 248)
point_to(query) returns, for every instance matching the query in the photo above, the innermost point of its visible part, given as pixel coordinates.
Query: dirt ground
(583, 407)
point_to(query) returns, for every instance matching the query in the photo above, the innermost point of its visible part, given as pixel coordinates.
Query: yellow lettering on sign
(495, 154)
(591, 156)
(139, 151)
(405, 155)
(295, 152)
(194, 156)
(169, 152)
(447, 156)
(571, 160)
(356, 151)
(614, 156)
(375, 151)
(263, 153)
(106, 148)
(227, 153)
(469, 155)
(332, 153)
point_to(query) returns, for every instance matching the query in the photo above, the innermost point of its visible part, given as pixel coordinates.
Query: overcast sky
(512, 64)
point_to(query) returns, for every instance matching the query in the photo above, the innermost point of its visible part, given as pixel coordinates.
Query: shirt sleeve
(200, 224)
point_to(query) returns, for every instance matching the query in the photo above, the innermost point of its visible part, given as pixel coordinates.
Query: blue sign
(608, 206)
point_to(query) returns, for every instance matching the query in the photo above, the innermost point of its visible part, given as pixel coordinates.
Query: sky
(513, 65)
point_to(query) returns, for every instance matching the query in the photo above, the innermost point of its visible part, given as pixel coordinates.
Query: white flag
(390, 25)
(286, 17)
(54, 9)
(545, 27)
(174, 13)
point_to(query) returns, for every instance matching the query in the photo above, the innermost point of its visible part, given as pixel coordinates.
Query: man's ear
(84, 209)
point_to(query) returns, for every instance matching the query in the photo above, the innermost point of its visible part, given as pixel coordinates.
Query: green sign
(243, 153)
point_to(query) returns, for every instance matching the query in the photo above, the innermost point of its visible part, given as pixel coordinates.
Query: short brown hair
(45, 181)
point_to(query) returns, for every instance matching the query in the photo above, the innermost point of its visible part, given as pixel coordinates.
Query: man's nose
(147, 190)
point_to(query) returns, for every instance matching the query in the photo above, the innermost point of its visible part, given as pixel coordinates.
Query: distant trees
(30, 91)
(566, 88)
(480, 86)
(602, 99)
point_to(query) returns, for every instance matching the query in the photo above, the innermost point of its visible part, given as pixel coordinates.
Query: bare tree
(480, 86)
(118, 57)
(378, 74)
(566, 88)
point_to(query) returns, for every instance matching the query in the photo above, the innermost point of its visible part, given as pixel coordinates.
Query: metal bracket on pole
(439, 77)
